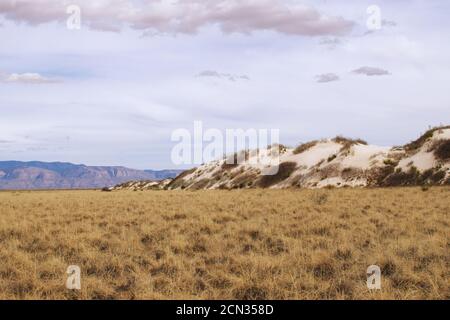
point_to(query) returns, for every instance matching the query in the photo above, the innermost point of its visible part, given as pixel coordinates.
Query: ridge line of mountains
(18, 175)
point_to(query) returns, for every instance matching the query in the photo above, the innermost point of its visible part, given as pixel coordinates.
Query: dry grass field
(253, 244)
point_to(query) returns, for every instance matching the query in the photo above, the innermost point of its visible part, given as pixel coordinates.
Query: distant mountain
(16, 175)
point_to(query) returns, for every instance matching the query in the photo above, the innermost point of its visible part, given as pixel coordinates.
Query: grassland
(253, 244)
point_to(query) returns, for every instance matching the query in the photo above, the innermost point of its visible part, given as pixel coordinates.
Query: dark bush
(416, 144)
(438, 176)
(284, 171)
(331, 158)
(400, 178)
(442, 151)
(411, 178)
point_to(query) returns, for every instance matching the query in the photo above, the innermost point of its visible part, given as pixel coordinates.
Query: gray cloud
(330, 43)
(327, 77)
(228, 76)
(371, 71)
(388, 23)
(183, 16)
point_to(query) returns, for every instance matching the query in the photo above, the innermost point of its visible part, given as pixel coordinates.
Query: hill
(57, 175)
(338, 162)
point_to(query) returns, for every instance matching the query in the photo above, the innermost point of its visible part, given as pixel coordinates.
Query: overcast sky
(112, 92)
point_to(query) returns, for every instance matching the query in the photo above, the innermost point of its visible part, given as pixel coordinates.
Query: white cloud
(184, 16)
(34, 78)
(228, 76)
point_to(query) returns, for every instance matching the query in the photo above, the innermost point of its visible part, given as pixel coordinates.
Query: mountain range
(15, 175)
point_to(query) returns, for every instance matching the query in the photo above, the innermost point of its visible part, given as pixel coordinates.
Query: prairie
(239, 244)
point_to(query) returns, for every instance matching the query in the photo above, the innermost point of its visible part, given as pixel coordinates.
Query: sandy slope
(334, 162)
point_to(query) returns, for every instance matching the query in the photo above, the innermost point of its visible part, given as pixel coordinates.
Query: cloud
(209, 73)
(228, 76)
(388, 23)
(327, 77)
(371, 71)
(34, 78)
(330, 43)
(183, 16)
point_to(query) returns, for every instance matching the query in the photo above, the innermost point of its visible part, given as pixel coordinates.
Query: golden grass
(252, 244)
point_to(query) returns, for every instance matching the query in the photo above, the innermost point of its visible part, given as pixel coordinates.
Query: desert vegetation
(285, 170)
(337, 162)
(347, 143)
(416, 144)
(442, 150)
(305, 146)
(239, 244)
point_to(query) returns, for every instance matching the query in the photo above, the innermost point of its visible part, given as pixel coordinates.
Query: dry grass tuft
(305, 146)
(239, 244)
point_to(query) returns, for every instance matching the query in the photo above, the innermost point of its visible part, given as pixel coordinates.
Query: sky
(113, 91)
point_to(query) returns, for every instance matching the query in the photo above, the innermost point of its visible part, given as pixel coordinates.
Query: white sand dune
(335, 162)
